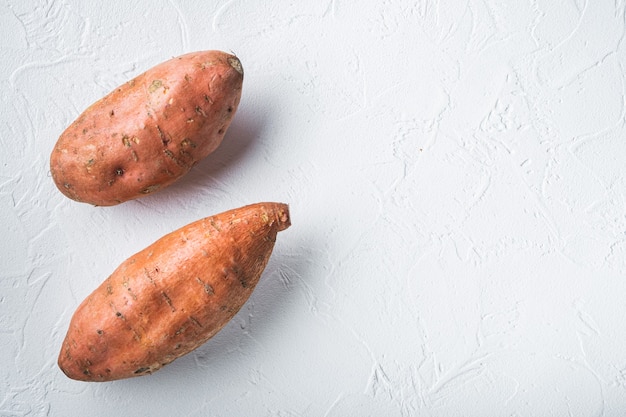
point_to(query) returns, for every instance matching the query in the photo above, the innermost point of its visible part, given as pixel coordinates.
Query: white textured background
(456, 176)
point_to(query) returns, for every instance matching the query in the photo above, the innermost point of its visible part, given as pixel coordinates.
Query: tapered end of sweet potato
(236, 64)
(283, 218)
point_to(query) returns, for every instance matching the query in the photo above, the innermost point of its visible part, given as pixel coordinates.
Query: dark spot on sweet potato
(164, 139)
(241, 276)
(199, 110)
(168, 300)
(188, 142)
(173, 157)
(169, 153)
(207, 287)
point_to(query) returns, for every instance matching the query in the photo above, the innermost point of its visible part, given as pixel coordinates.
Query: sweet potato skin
(172, 296)
(150, 131)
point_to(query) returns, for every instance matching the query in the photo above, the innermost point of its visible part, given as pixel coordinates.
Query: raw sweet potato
(150, 131)
(173, 296)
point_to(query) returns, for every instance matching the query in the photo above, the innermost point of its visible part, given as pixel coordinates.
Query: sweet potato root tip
(283, 217)
(236, 64)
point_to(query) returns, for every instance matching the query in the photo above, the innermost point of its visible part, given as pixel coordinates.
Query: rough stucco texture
(457, 183)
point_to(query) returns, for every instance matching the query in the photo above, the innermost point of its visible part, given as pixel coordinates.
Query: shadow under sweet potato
(239, 141)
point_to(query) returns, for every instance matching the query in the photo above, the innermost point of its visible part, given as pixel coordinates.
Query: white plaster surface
(457, 183)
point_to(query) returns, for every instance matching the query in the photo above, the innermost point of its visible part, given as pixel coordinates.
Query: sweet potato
(150, 131)
(171, 297)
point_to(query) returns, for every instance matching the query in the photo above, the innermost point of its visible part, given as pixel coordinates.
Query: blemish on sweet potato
(199, 110)
(207, 287)
(164, 139)
(187, 142)
(150, 189)
(168, 300)
(155, 85)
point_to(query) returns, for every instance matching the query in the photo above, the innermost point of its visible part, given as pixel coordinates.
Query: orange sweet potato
(150, 131)
(171, 297)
